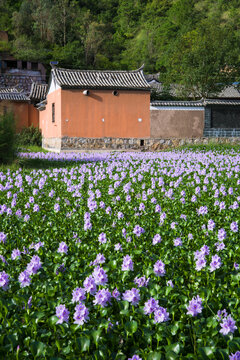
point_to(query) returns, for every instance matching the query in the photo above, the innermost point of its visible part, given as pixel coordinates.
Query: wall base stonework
(128, 144)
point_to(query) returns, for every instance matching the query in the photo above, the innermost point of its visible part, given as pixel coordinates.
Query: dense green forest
(190, 42)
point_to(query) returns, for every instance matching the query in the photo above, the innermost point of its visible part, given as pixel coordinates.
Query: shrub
(7, 137)
(30, 136)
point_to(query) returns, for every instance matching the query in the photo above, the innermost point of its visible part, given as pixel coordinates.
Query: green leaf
(174, 347)
(154, 356)
(131, 326)
(37, 348)
(83, 343)
(96, 336)
(171, 355)
(206, 352)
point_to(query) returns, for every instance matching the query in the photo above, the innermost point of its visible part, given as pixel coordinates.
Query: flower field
(121, 256)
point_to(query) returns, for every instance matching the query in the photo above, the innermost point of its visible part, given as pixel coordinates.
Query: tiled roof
(38, 92)
(94, 79)
(199, 103)
(13, 94)
(229, 92)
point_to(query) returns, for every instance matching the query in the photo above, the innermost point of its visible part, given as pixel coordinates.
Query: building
(101, 107)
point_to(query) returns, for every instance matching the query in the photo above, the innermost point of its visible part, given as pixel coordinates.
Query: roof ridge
(98, 71)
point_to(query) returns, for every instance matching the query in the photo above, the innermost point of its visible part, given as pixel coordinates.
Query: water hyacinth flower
(63, 248)
(34, 265)
(3, 237)
(138, 230)
(142, 281)
(170, 283)
(56, 207)
(102, 238)
(159, 268)
(235, 356)
(150, 306)
(219, 246)
(81, 314)
(221, 234)
(177, 242)
(4, 280)
(236, 266)
(100, 259)
(221, 314)
(156, 239)
(234, 226)
(62, 313)
(200, 263)
(16, 253)
(118, 247)
(135, 357)
(132, 296)
(102, 297)
(161, 315)
(116, 294)
(195, 306)
(215, 263)
(78, 295)
(24, 279)
(100, 276)
(90, 285)
(228, 325)
(127, 263)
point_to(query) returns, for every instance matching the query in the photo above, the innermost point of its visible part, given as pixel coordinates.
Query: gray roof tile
(199, 103)
(38, 92)
(13, 94)
(94, 79)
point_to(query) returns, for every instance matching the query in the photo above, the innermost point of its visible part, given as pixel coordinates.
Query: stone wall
(128, 144)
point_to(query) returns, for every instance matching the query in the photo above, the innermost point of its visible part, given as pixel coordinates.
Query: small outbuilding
(88, 104)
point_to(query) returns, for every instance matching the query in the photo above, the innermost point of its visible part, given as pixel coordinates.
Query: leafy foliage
(30, 136)
(192, 43)
(7, 137)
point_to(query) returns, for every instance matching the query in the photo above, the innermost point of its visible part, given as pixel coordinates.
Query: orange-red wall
(82, 116)
(25, 114)
(78, 115)
(48, 128)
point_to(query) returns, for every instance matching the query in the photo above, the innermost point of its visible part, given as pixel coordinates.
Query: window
(34, 66)
(53, 112)
(141, 142)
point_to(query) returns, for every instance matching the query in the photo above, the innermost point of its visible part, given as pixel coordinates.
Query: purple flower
(100, 259)
(150, 306)
(24, 279)
(200, 263)
(62, 313)
(78, 295)
(118, 247)
(160, 315)
(132, 296)
(228, 325)
(135, 357)
(211, 225)
(219, 246)
(63, 248)
(100, 276)
(170, 283)
(102, 297)
(36, 208)
(234, 226)
(221, 234)
(15, 253)
(236, 266)
(221, 314)
(215, 263)
(56, 207)
(156, 239)
(159, 268)
(3, 237)
(177, 242)
(205, 250)
(142, 281)
(195, 306)
(81, 314)
(34, 265)
(116, 294)
(61, 269)
(235, 356)
(102, 238)
(138, 230)
(4, 280)
(127, 263)
(89, 285)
